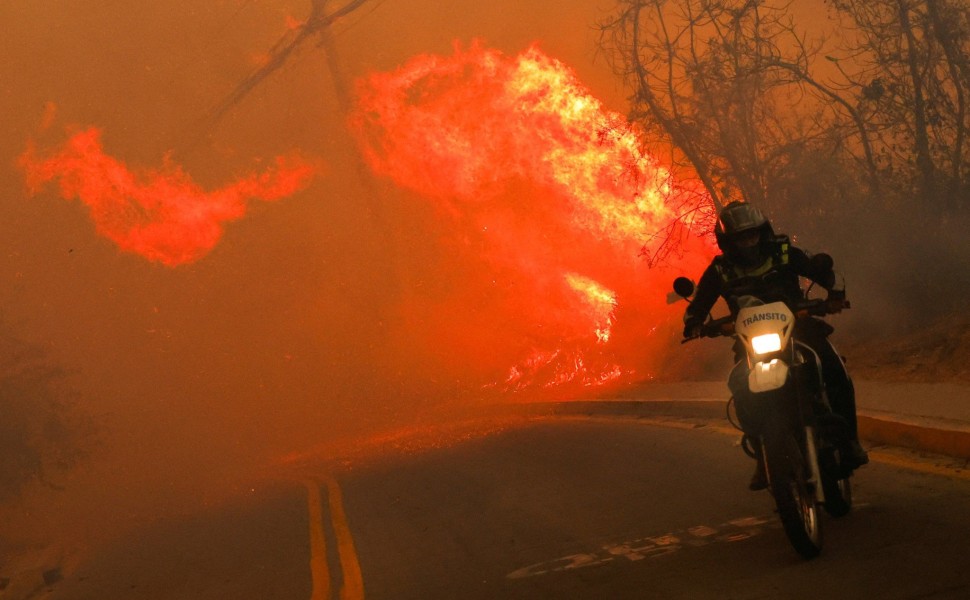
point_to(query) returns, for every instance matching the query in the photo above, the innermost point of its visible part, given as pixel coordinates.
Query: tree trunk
(924, 162)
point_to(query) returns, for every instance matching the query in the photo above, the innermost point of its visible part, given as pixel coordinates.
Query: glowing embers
(577, 362)
(160, 214)
(560, 367)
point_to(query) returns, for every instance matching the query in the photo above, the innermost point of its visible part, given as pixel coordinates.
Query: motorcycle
(789, 423)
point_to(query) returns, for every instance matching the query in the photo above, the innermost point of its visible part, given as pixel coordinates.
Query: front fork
(797, 413)
(807, 397)
(811, 457)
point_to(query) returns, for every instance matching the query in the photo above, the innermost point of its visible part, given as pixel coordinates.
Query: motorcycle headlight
(763, 344)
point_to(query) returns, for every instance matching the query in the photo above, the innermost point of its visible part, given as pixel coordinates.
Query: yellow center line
(353, 584)
(319, 567)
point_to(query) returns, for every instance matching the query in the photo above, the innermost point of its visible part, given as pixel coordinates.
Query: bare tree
(908, 62)
(719, 79)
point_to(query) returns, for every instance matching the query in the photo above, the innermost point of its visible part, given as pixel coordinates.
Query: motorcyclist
(754, 261)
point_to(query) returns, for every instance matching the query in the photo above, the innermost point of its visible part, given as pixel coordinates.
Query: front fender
(767, 376)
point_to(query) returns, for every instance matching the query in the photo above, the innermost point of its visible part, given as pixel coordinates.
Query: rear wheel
(788, 475)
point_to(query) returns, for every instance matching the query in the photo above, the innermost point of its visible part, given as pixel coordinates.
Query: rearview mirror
(683, 287)
(822, 263)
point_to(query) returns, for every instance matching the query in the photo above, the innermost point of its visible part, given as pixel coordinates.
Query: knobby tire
(788, 476)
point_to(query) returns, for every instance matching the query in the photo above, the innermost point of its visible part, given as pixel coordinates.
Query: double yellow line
(352, 587)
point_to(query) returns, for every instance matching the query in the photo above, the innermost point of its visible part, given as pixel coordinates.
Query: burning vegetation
(548, 198)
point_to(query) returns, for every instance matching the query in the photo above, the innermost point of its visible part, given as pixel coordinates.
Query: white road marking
(653, 546)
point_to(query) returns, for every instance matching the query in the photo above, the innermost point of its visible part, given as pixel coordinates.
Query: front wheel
(788, 475)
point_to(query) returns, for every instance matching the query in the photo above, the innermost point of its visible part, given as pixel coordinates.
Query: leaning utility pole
(317, 24)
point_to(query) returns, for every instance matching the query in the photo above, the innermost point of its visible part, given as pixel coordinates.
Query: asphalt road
(567, 508)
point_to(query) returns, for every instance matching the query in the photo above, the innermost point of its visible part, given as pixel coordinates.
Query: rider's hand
(835, 301)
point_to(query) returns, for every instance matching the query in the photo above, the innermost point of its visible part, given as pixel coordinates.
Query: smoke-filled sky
(337, 308)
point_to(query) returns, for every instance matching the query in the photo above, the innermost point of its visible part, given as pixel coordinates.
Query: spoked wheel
(788, 475)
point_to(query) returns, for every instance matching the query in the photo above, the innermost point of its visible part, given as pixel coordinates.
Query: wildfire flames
(547, 195)
(160, 214)
(600, 301)
(546, 205)
(459, 128)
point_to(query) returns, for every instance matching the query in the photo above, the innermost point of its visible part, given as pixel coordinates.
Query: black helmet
(743, 233)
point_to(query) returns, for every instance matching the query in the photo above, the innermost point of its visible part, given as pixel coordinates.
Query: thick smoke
(288, 332)
(352, 307)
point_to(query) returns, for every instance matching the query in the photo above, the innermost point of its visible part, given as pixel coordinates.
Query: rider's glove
(692, 329)
(835, 301)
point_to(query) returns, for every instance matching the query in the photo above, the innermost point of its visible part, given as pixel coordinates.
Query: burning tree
(472, 132)
(548, 197)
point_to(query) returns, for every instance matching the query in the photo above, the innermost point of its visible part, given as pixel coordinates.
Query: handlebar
(715, 328)
(807, 308)
(818, 307)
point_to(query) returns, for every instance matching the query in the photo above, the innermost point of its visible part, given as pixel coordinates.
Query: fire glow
(548, 198)
(161, 214)
(601, 303)
(490, 119)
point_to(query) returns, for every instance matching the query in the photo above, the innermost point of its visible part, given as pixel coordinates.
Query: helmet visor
(741, 217)
(748, 239)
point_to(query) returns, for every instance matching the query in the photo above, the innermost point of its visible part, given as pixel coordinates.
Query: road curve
(555, 508)
(620, 509)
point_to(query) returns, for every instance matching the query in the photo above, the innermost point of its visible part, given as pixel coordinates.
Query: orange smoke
(161, 214)
(548, 203)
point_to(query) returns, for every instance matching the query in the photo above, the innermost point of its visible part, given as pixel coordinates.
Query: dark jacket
(775, 279)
